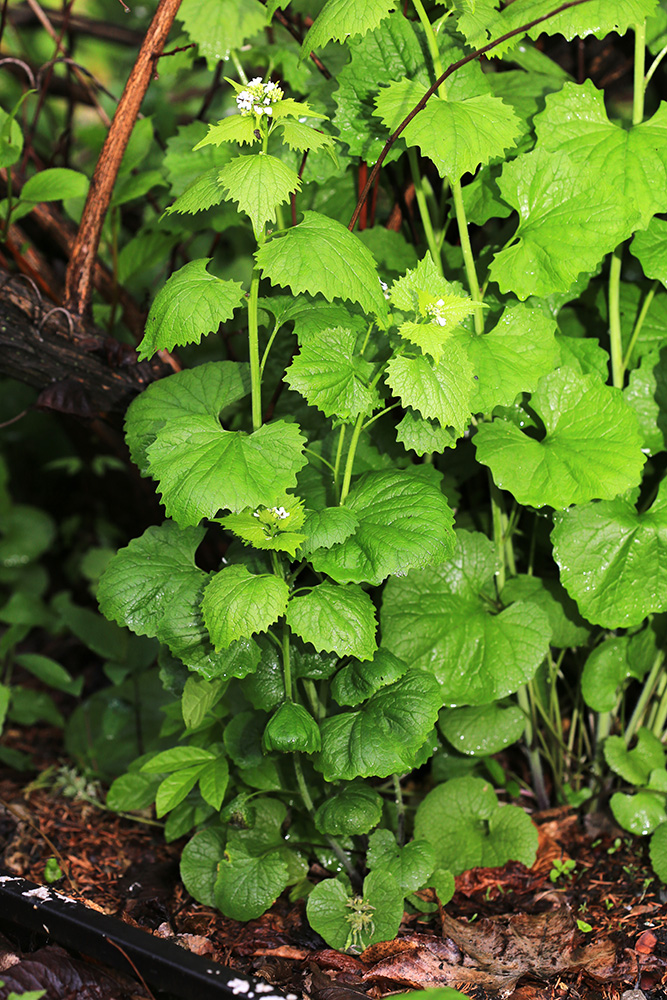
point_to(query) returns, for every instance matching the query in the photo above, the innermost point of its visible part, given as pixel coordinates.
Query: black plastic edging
(163, 964)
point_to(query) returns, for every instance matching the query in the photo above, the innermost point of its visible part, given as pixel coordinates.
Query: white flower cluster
(435, 310)
(385, 288)
(258, 97)
(279, 512)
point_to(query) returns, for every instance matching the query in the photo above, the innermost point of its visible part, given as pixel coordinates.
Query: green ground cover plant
(429, 454)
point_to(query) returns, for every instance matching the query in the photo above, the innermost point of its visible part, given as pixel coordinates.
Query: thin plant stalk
(349, 464)
(644, 697)
(423, 208)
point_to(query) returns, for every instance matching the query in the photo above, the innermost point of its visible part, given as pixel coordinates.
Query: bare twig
(432, 89)
(78, 287)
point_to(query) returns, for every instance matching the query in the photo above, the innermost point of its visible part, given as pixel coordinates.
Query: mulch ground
(598, 932)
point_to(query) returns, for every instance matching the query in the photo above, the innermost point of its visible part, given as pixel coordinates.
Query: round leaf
(591, 450)
(237, 604)
(335, 618)
(354, 810)
(607, 552)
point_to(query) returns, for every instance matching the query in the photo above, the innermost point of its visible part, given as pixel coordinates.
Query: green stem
(423, 208)
(253, 349)
(339, 453)
(265, 355)
(400, 810)
(345, 488)
(658, 725)
(644, 698)
(468, 259)
(287, 665)
(532, 753)
(615, 341)
(639, 85)
(239, 68)
(461, 220)
(646, 305)
(380, 414)
(654, 65)
(310, 806)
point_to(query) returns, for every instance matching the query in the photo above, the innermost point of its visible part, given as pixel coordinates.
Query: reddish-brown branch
(79, 283)
(432, 89)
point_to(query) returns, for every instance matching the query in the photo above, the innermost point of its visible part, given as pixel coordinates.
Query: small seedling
(52, 871)
(562, 868)
(584, 927)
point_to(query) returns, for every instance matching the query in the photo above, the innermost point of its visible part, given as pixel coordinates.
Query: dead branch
(79, 284)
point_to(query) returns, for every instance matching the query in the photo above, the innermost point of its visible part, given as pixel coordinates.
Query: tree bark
(77, 368)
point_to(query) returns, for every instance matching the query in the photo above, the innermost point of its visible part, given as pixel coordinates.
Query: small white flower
(268, 111)
(255, 80)
(385, 288)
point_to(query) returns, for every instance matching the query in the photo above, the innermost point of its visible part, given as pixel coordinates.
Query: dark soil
(596, 933)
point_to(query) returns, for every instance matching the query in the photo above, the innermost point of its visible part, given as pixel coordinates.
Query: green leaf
(356, 809)
(188, 639)
(321, 255)
(384, 735)
(174, 788)
(404, 522)
(335, 618)
(234, 128)
(203, 193)
(332, 376)
(610, 664)
(440, 391)
(595, 18)
(25, 533)
(209, 388)
(199, 697)
(183, 163)
(237, 604)
(357, 681)
(50, 672)
(273, 529)
(54, 184)
(591, 450)
(292, 729)
(301, 137)
(202, 468)
(463, 822)
(327, 527)
(570, 218)
(658, 852)
(199, 864)
(633, 160)
(635, 765)
(606, 552)
(191, 304)
(132, 791)
(341, 20)
(424, 436)
(438, 620)
(640, 813)
(388, 53)
(218, 26)
(568, 628)
(482, 730)
(176, 759)
(265, 689)
(347, 922)
(411, 865)
(213, 780)
(146, 580)
(259, 183)
(11, 138)
(646, 393)
(650, 249)
(247, 886)
(511, 358)
(457, 136)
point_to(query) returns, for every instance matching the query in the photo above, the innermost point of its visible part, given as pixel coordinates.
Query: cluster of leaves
(437, 515)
